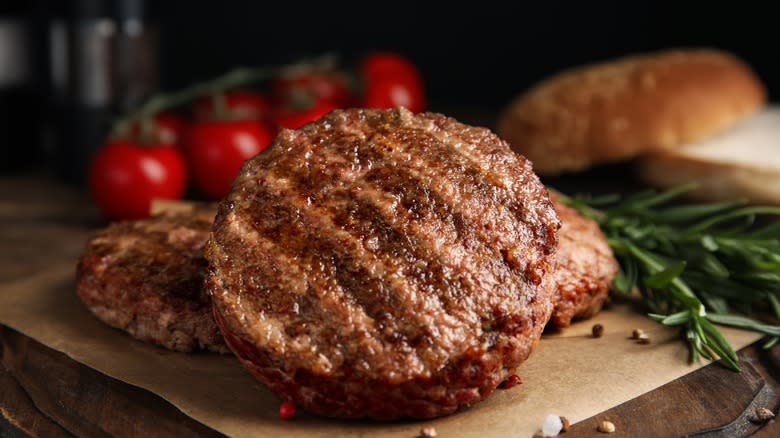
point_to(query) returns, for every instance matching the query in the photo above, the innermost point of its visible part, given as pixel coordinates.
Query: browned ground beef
(146, 278)
(383, 264)
(584, 267)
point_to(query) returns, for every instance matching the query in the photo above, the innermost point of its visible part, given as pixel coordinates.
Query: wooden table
(44, 393)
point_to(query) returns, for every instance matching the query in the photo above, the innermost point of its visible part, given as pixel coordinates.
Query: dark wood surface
(45, 393)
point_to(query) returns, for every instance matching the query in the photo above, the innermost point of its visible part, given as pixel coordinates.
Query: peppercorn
(762, 415)
(286, 410)
(565, 423)
(606, 427)
(597, 330)
(511, 381)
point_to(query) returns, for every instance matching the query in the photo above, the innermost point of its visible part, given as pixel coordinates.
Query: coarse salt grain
(552, 425)
(428, 432)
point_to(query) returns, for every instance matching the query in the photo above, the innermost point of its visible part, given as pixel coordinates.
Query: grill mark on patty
(312, 296)
(336, 254)
(352, 145)
(478, 146)
(428, 169)
(348, 212)
(457, 240)
(451, 207)
(410, 248)
(342, 277)
(459, 150)
(497, 192)
(489, 157)
(464, 204)
(407, 190)
(496, 165)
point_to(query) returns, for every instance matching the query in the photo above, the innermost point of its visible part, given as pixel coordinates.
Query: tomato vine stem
(233, 79)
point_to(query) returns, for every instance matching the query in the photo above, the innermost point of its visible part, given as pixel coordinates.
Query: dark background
(476, 53)
(475, 56)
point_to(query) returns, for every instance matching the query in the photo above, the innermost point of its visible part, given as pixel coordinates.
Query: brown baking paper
(570, 374)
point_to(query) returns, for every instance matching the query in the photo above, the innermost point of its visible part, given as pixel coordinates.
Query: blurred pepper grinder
(103, 62)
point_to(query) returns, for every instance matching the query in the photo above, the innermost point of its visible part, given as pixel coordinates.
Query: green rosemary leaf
(660, 198)
(657, 317)
(722, 287)
(687, 213)
(699, 331)
(708, 243)
(693, 259)
(715, 340)
(771, 231)
(621, 282)
(602, 199)
(703, 350)
(775, 303)
(712, 266)
(734, 214)
(770, 343)
(694, 352)
(664, 277)
(744, 322)
(676, 319)
(718, 304)
(766, 277)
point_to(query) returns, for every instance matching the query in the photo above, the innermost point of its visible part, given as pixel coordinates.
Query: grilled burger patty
(146, 278)
(382, 264)
(582, 271)
(583, 268)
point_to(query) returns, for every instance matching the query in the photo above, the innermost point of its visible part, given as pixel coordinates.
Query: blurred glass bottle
(137, 62)
(102, 62)
(83, 40)
(19, 106)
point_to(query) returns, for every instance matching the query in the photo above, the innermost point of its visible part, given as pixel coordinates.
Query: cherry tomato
(216, 150)
(378, 65)
(240, 105)
(168, 129)
(327, 85)
(125, 177)
(292, 119)
(390, 93)
(390, 81)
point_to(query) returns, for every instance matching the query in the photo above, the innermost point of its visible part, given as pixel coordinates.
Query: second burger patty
(583, 268)
(146, 277)
(382, 264)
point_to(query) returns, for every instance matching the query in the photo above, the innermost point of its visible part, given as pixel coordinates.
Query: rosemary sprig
(695, 265)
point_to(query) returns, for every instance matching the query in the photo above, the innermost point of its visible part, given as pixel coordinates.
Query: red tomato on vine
(390, 81)
(216, 150)
(124, 178)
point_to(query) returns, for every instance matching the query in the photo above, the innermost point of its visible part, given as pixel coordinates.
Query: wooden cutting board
(46, 393)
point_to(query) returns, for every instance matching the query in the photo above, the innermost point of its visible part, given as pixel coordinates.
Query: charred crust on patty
(382, 264)
(146, 277)
(583, 267)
